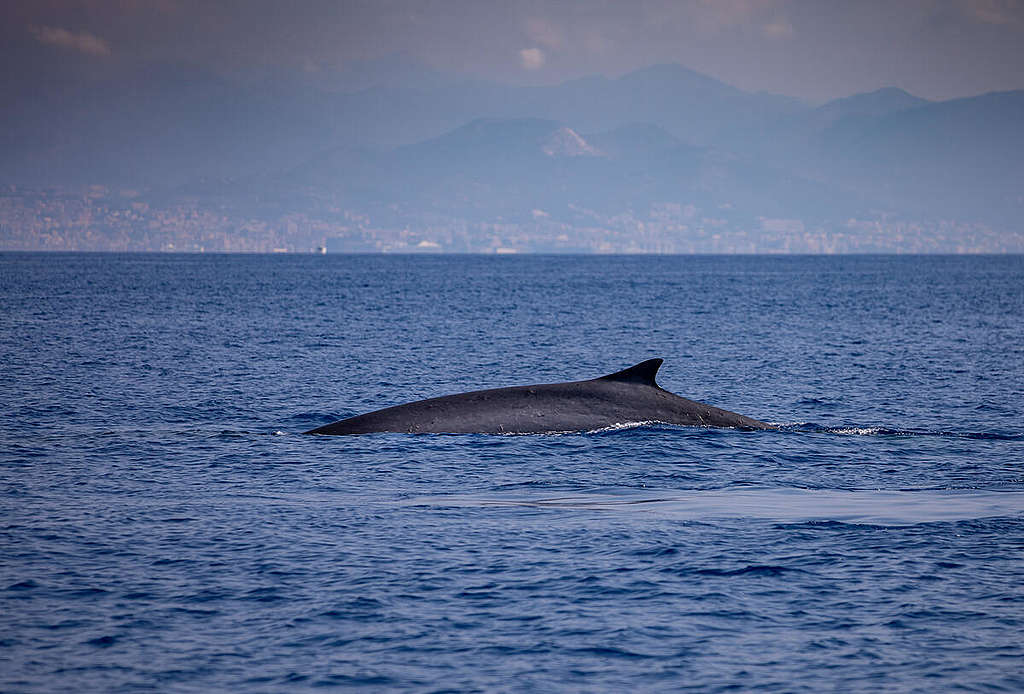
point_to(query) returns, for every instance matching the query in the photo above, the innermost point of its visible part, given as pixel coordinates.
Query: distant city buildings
(98, 218)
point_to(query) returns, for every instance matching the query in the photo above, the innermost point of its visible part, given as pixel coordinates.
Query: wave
(812, 428)
(888, 431)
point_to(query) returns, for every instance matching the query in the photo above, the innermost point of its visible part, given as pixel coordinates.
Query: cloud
(778, 29)
(83, 42)
(992, 11)
(531, 58)
(544, 33)
(597, 42)
(718, 15)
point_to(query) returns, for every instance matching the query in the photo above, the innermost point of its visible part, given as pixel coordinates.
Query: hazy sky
(813, 49)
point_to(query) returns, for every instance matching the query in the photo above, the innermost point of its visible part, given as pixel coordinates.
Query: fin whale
(624, 397)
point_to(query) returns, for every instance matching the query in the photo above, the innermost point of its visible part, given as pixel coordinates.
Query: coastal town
(107, 219)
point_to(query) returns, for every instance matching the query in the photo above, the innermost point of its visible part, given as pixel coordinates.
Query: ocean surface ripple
(165, 527)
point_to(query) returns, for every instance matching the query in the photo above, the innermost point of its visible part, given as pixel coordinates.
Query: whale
(624, 398)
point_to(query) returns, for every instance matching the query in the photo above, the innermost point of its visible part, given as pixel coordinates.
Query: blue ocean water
(165, 526)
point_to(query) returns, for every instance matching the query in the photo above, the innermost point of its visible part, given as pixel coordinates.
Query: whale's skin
(630, 396)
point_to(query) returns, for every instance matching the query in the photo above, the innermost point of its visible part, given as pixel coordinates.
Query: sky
(815, 50)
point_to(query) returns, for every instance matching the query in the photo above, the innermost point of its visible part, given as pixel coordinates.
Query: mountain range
(400, 141)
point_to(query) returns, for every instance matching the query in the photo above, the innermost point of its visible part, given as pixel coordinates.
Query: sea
(166, 526)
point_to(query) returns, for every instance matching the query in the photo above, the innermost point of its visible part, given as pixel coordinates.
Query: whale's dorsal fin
(643, 373)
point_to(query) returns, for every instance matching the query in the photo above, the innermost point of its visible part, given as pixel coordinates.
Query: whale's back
(629, 396)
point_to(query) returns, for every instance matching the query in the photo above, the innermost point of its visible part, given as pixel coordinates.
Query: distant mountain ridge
(411, 142)
(509, 168)
(168, 124)
(869, 104)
